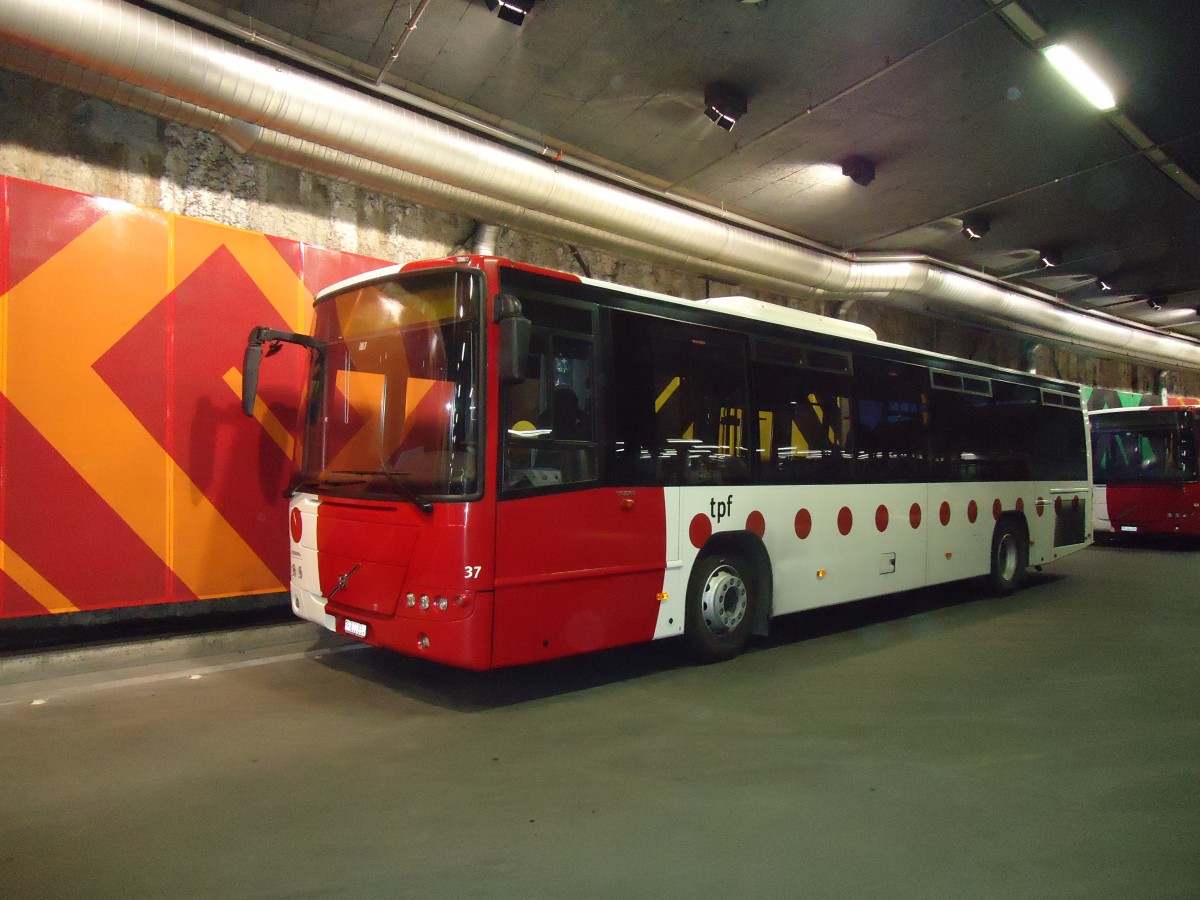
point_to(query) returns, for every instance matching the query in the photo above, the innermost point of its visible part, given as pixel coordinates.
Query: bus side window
(1014, 413)
(700, 414)
(891, 421)
(548, 420)
(961, 433)
(802, 424)
(679, 398)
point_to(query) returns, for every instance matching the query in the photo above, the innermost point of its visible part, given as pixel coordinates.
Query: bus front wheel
(720, 606)
(1010, 556)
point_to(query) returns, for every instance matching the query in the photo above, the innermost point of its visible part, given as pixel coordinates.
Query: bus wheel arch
(728, 596)
(1009, 554)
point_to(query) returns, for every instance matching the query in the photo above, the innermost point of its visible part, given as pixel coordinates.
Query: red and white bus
(1146, 470)
(500, 464)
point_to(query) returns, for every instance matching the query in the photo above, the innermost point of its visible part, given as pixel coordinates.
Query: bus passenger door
(579, 566)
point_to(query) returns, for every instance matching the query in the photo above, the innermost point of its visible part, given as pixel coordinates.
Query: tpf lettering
(719, 509)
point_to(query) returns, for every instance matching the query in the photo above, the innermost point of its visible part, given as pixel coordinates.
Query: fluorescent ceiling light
(1072, 67)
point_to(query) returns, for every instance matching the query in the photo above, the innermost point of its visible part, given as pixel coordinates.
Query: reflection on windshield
(392, 402)
(1139, 455)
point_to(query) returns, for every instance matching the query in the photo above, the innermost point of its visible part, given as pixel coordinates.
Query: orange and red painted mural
(128, 474)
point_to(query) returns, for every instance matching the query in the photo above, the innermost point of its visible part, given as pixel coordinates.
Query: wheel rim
(723, 600)
(1006, 557)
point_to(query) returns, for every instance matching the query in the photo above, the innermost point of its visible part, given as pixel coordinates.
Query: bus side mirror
(250, 375)
(253, 358)
(514, 339)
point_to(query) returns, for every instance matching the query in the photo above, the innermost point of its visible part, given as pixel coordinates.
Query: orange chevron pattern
(128, 475)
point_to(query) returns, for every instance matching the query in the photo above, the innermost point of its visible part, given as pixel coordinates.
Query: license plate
(1129, 528)
(355, 629)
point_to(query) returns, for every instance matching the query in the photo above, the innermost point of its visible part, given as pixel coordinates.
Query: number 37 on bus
(498, 464)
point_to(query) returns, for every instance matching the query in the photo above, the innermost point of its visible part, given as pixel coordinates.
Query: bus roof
(746, 307)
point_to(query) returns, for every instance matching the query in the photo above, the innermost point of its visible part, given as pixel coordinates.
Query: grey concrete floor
(935, 744)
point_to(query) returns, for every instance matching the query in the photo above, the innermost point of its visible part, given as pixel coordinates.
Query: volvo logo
(342, 579)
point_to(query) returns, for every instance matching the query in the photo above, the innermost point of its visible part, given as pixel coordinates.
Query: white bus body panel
(307, 602)
(897, 536)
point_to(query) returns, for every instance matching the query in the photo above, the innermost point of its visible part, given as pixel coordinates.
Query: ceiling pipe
(323, 161)
(409, 28)
(301, 114)
(256, 38)
(484, 240)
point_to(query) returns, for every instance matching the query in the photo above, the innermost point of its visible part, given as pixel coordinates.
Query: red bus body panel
(1155, 508)
(386, 551)
(577, 572)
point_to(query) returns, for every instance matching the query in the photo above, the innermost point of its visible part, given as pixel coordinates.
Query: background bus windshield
(391, 405)
(1130, 448)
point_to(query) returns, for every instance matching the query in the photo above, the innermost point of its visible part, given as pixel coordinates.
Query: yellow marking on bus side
(666, 394)
(799, 442)
(32, 582)
(269, 421)
(819, 412)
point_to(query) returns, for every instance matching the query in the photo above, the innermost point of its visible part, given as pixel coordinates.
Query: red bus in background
(1146, 470)
(499, 464)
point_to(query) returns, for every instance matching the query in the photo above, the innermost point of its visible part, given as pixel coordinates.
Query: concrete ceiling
(955, 107)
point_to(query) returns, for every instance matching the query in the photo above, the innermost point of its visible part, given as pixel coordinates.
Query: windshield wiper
(424, 505)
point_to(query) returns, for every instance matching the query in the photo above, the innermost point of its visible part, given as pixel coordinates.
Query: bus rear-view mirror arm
(514, 339)
(253, 357)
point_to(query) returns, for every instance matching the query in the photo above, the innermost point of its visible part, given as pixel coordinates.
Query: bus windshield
(1132, 448)
(392, 401)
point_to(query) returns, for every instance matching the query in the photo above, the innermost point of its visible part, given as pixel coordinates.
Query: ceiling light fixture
(1103, 285)
(1050, 258)
(975, 226)
(1156, 301)
(513, 11)
(859, 169)
(1081, 76)
(724, 104)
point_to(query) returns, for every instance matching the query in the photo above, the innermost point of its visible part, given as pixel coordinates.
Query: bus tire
(1010, 556)
(721, 602)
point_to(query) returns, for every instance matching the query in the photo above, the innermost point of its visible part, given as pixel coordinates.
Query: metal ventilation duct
(128, 54)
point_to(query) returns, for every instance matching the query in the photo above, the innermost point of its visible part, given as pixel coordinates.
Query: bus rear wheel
(720, 606)
(1010, 556)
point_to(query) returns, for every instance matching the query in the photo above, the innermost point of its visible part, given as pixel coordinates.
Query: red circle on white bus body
(914, 515)
(296, 521)
(972, 512)
(845, 520)
(1040, 505)
(756, 523)
(996, 507)
(700, 530)
(803, 524)
(881, 518)
(944, 512)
